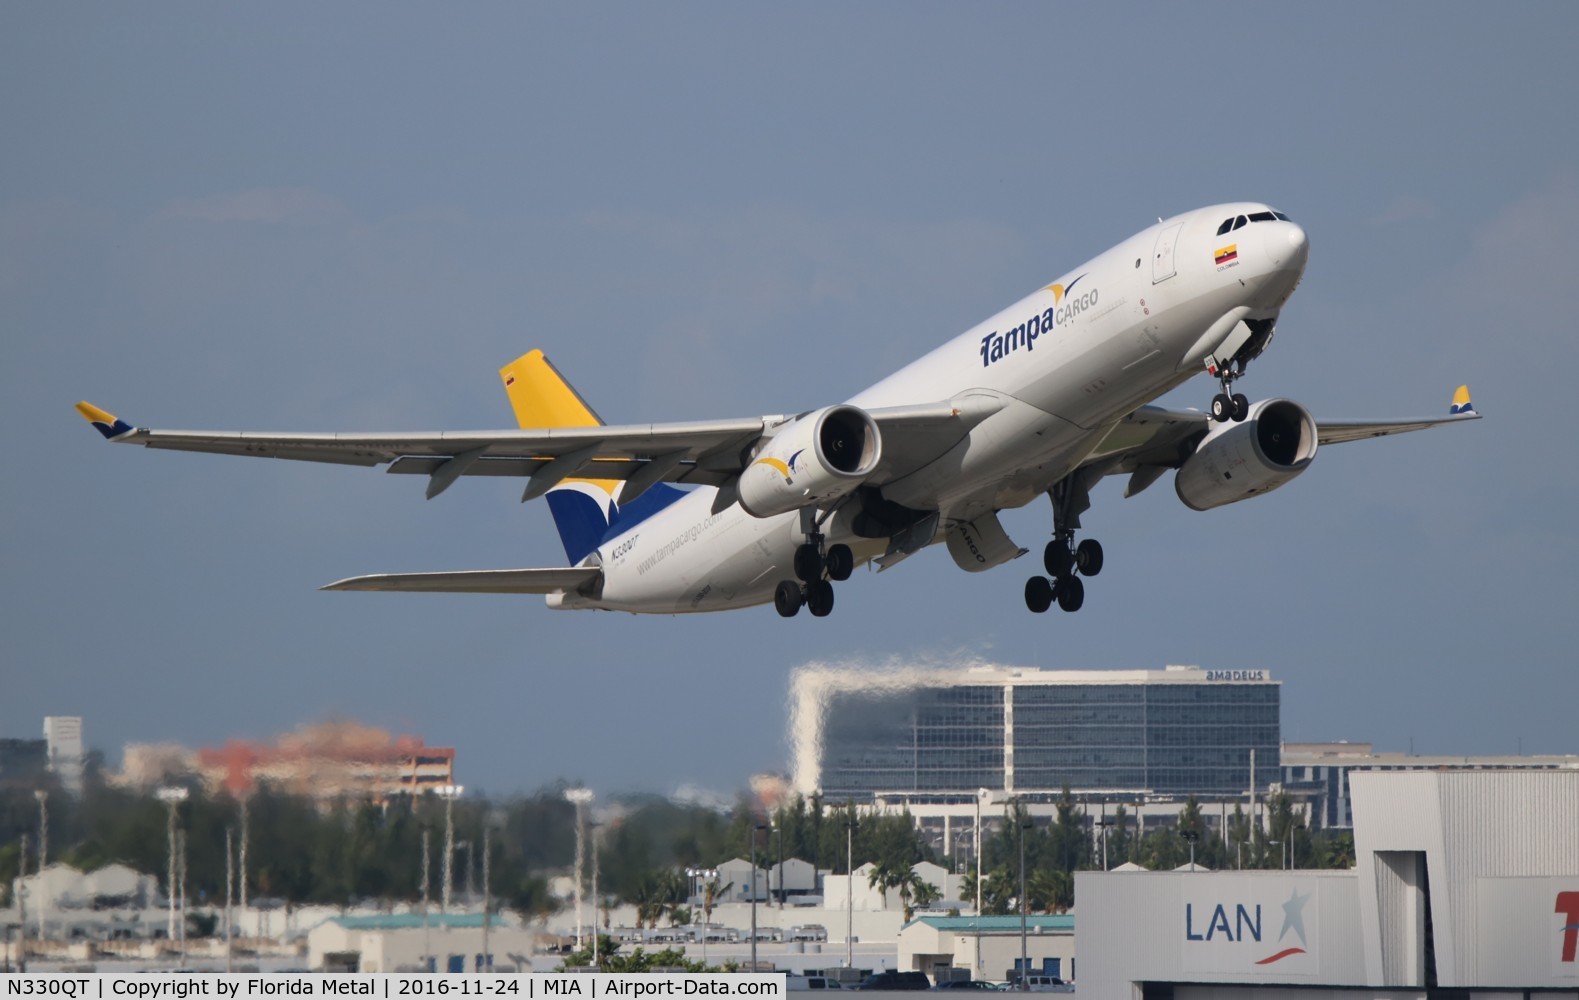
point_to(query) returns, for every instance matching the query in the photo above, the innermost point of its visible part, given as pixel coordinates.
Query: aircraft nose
(1290, 249)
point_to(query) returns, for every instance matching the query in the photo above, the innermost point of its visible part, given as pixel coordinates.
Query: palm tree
(915, 892)
(887, 874)
(711, 892)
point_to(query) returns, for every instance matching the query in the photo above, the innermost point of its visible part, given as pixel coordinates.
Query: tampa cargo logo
(1066, 306)
(1245, 925)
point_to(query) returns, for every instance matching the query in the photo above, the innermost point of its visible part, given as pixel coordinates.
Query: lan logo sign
(1243, 925)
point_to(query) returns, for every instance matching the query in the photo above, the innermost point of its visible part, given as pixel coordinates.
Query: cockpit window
(1263, 217)
(1227, 225)
(1281, 217)
(1239, 222)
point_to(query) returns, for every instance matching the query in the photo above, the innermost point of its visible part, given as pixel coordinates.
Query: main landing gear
(1066, 563)
(817, 567)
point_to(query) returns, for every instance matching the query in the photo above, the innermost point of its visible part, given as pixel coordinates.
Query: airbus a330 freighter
(1044, 399)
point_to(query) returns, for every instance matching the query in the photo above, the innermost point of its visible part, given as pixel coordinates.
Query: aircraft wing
(1153, 439)
(708, 453)
(477, 581)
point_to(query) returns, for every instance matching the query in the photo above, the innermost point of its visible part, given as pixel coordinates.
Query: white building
(988, 947)
(63, 738)
(406, 942)
(1464, 881)
(1317, 774)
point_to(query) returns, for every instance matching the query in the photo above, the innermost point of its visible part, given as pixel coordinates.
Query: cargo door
(1162, 256)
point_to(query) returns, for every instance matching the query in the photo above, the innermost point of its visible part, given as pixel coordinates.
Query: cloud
(267, 205)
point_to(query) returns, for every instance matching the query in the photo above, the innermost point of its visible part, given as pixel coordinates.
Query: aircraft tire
(1038, 594)
(819, 598)
(808, 563)
(786, 598)
(1222, 407)
(840, 561)
(1071, 594)
(1241, 406)
(1088, 557)
(1057, 559)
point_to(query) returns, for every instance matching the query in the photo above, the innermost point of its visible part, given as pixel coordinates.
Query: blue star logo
(1294, 915)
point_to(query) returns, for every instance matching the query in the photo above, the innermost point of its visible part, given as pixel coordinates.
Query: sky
(309, 217)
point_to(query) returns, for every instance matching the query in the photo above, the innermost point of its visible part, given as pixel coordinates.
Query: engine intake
(1235, 461)
(816, 458)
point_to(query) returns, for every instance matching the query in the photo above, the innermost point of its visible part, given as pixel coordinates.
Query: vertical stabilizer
(582, 509)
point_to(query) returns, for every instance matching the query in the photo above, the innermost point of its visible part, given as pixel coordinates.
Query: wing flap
(477, 581)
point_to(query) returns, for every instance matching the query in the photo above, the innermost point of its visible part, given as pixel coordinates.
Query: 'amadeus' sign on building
(1266, 926)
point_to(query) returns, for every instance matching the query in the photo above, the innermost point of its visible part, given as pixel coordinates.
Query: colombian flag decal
(1227, 253)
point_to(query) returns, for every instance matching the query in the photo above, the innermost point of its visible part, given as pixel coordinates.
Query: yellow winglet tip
(1461, 402)
(94, 414)
(104, 422)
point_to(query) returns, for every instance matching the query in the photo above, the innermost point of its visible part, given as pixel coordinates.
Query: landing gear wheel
(1057, 559)
(841, 562)
(1038, 594)
(808, 563)
(1071, 593)
(819, 598)
(1088, 557)
(1222, 407)
(787, 599)
(1241, 406)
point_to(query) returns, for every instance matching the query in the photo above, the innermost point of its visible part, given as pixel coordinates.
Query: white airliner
(1043, 399)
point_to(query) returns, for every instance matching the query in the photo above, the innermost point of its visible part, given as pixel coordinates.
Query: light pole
(427, 941)
(595, 900)
(1025, 965)
(1103, 824)
(43, 849)
(707, 875)
(755, 828)
(487, 896)
(981, 796)
(449, 793)
(580, 797)
(849, 888)
(180, 840)
(1191, 836)
(1279, 844)
(21, 906)
(778, 839)
(230, 880)
(241, 864)
(172, 796)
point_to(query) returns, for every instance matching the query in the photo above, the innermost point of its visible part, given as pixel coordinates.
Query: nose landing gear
(1227, 404)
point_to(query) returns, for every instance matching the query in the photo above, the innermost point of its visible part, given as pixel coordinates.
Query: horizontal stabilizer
(477, 581)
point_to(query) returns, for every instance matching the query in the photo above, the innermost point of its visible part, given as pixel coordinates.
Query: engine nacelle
(1274, 443)
(819, 457)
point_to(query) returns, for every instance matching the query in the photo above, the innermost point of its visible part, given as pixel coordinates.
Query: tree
(886, 874)
(712, 892)
(1118, 838)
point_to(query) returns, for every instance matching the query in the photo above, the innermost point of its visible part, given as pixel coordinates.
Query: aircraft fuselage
(1061, 366)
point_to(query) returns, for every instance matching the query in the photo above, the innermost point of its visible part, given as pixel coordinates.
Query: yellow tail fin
(541, 397)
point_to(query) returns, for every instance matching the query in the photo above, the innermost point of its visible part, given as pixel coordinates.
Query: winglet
(1461, 403)
(106, 423)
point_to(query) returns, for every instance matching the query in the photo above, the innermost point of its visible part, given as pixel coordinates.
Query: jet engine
(816, 458)
(1274, 443)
